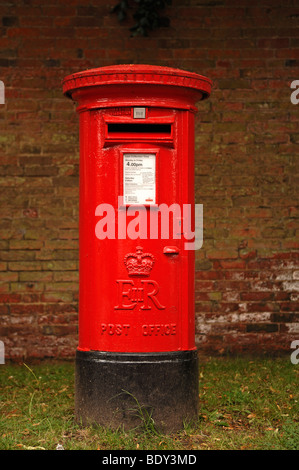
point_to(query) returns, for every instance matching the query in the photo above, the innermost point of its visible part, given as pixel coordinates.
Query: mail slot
(150, 130)
(143, 130)
(136, 288)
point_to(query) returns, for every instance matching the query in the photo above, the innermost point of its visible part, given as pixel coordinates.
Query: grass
(244, 404)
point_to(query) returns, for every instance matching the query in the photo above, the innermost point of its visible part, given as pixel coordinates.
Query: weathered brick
(222, 254)
(65, 297)
(25, 287)
(246, 170)
(25, 244)
(60, 265)
(8, 276)
(24, 266)
(59, 330)
(36, 276)
(25, 309)
(61, 286)
(257, 296)
(262, 327)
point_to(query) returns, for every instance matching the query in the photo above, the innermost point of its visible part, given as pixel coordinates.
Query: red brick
(10, 298)
(257, 296)
(272, 43)
(238, 264)
(24, 309)
(24, 32)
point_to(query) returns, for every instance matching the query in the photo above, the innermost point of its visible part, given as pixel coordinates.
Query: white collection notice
(139, 178)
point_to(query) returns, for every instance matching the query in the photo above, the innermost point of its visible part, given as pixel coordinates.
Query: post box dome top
(137, 74)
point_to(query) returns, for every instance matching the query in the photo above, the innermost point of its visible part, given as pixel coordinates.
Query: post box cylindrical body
(136, 288)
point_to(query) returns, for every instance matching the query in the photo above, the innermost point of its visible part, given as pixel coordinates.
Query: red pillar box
(136, 302)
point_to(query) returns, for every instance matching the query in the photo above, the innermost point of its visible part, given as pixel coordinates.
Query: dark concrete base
(122, 389)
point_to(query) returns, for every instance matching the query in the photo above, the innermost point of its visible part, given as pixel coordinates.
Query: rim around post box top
(137, 74)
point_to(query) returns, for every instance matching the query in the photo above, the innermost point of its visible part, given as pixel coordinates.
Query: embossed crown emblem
(139, 263)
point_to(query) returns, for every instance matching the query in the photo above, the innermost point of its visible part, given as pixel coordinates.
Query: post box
(136, 351)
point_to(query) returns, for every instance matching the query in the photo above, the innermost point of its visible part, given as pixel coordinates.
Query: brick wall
(247, 137)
